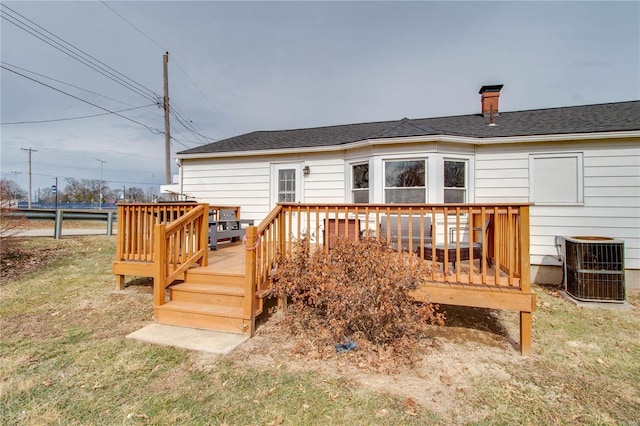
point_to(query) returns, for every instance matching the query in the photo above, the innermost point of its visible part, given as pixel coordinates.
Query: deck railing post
(203, 240)
(119, 246)
(525, 283)
(159, 266)
(250, 279)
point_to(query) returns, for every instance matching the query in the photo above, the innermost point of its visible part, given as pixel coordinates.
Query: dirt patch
(472, 345)
(18, 261)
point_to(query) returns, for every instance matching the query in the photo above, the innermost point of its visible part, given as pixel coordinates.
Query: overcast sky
(244, 66)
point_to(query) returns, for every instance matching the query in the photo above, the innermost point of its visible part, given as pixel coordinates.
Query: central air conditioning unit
(594, 269)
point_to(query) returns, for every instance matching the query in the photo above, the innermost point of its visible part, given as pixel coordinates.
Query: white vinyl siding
(497, 173)
(610, 202)
(229, 182)
(326, 180)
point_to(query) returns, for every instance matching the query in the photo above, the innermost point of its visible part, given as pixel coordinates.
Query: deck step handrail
(179, 246)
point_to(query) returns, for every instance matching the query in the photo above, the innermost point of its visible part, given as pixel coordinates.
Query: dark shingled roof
(619, 116)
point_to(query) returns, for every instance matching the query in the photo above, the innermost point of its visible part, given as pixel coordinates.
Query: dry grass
(65, 361)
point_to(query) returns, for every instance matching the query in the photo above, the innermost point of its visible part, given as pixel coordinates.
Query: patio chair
(476, 249)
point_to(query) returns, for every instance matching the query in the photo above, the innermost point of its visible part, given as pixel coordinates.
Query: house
(578, 165)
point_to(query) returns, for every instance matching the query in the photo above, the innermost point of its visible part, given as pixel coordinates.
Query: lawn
(65, 361)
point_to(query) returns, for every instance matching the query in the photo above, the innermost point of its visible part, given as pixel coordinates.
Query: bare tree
(11, 191)
(82, 190)
(9, 226)
(136, 195)
(47, 195)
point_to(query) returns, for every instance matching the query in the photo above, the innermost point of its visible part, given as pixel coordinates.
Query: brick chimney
(489, 99)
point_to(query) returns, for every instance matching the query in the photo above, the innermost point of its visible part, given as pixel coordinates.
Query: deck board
(228, 259)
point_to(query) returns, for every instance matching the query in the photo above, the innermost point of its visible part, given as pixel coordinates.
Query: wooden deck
(224, 289)
(229, 258)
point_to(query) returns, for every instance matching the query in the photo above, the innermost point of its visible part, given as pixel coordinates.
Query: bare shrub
(9, 225)
(359, 289)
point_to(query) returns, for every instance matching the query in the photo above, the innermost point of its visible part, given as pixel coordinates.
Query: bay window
(455, 181)
(405, 181)
(360, 183)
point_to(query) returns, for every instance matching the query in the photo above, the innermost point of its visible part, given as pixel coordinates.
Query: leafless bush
(359, 289)
(9, 226)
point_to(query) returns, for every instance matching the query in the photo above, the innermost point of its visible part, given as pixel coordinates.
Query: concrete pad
(614, 306)
(216, 342)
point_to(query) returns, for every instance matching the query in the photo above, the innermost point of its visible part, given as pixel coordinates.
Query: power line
(206, 98)
(74, 118)
(189, 126)
(186, 126)
(215, 109)
(152, 130)
(131, 23)
(106, 180)
(186, 137)
(92, 63)
(183, 143)
(119, 171)
(67, 84)
(85, 62)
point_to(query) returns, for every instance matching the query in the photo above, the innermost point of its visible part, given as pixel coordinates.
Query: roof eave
(418, 139)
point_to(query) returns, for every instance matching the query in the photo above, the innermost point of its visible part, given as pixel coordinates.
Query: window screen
(404, 182)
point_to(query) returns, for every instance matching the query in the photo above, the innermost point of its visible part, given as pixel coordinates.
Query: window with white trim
(360, 183)
(556, 179)
(405, 181)
(455, 181)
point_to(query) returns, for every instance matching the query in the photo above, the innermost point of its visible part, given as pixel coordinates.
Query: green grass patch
(66, 361)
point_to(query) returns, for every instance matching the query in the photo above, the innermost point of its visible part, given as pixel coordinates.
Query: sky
(238, 67)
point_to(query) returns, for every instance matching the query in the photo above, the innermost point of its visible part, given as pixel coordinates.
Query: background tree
(82, 190)
(46, 195)
(9, 190)
(136, 195)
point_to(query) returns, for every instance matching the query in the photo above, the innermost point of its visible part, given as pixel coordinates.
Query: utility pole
(167, 132)
(101, 163)
(29, 150)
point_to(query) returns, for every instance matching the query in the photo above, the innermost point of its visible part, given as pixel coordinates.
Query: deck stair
(207, 300)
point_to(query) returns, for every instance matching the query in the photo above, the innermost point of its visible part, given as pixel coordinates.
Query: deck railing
(136, 225)
(442, 234)
(178, 246)
(136, 239)
(472, 248)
